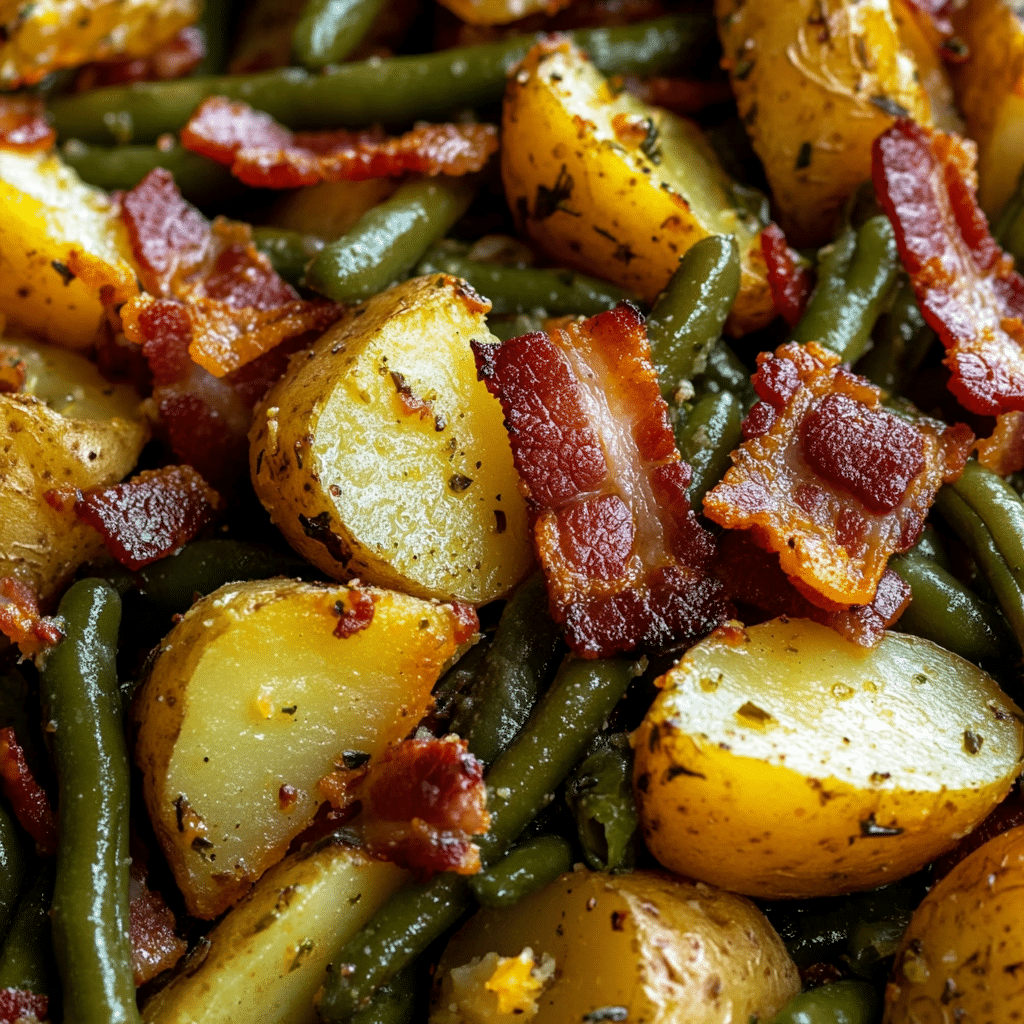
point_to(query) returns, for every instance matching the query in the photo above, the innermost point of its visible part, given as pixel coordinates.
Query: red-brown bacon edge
(789, 277)
(23, 125)
(265, 154)
(18, 1006)
(27, 798)
(21, 620)
(623, 553)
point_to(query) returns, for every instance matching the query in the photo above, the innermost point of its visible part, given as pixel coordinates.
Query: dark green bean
(12, 868)
(395, 91)
(1009, 229)
(900, 341)
(600, 794)
(689, 315)
(523, 289)
(726, 372)
(872, 943)
(528, 867)
(518, 663)
(290, 252)
(856, 275)
(572, 711)
(329, 30)
(394, 1002)
(458, 681)
(82, 703)
(389, 239)
(710, 432)
(842, 1002)
(999, 505)
(215, 24)
(504, 328)
(26, 955)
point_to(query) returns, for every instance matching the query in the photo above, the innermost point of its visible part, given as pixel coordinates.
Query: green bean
(600, 795)
(389, 239)
(872, 943)
(710, 432)
(451, 689)
(842, 1002)
(1001, 508)
(856, 275)
(329, 30)
(504, 328)
(523, 289)
(726, 372)
(519, 784)
(689, 315)
(214, 23)
(12, 869)
(81, 701)
(26, 955)
(518, 663)
(528, 867)
(1009, 229)
(394, 91)
(901, 340)
(288, 251)
(394, 1002)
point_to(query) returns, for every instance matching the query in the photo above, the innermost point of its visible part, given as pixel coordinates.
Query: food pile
(510, 510)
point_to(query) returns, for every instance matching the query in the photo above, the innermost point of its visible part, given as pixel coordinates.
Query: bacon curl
(21, 620)
(27, 798)
(789, 278)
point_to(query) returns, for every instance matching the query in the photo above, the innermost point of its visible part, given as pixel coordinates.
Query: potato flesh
(252, 692)
(662, 948)
(794, 763)
(268, 957)
(425, 499)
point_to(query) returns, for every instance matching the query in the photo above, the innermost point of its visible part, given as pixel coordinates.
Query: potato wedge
(68, 427)
(380, 455)
(962, 955)
(267, 958)
(816, 81)
(251, 700)
(616, 188)
(61, 241)
(641, 946)
(787, 761)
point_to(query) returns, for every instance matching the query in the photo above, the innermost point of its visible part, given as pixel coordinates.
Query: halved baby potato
(616, 188)
(253, 697)
(380, 455)
(786, 761)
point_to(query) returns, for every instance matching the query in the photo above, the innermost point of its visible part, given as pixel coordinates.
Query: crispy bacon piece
(20, 1007)
(355, 612)
(789, 278)
(150, 516)
(623, 553)
(829, 479)
(176, 58)
(23, 124)
(21, 620)
(421, 802)
(1003, 452)
(965, 284)
(156, 946)
(27, 798)
(265, 154)
(753, 576)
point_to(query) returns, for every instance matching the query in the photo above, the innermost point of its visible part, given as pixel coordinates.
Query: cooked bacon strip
(421, 802)
(623, 553)
(829, 479)
(355, 613)
(265, 154)
(176, 58)
(21, 620)
(753, 576)
(20, 1007)
(23, 124)
(789, 278)
(156, 946)
(965, 284)
(1003, 452)
(27, 798)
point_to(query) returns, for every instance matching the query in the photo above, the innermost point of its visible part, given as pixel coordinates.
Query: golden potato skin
(664, 948)
(785, 761)
(615, 188)
(962, 956)
(380, 455)
(815, 82)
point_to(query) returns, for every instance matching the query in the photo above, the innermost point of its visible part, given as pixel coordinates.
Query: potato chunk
(251, 700)
(787, 761)
(380, 455)
(638, 946)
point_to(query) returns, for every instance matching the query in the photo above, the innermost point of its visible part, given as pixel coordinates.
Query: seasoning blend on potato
(380, 455)
(786, 761)
(962, 956)
(632, 947)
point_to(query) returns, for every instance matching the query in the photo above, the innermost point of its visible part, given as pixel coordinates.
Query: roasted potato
(639, 947)
(380, 455)
(66, 427)
(787, 761)
(252, 698)
(61, 241)
(615, 188)
(501, 12)
(962, 956)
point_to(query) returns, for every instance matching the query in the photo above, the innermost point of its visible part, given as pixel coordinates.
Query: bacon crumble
(176, 58)
(789, 277)
(27, 798)
(156, 946)
(21, 620)
(18, 1006)
(355, 612)
(23, 124)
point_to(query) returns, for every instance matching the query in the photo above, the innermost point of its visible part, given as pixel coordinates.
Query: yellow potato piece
(787, 761)
(501, 12)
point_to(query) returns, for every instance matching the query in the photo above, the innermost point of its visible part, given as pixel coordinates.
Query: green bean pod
(394, 91)
(12, 869)
(1009, 229)
(394, 1003)
(389, 239)
(530, 866)
(329, 30)
(289, 252)
(856, 275)
(726, 372)
(688, 317)
(523, 289)
(712, 430)
(26, 955)
(900, 341)
(82, 703)
(842, 1002)
(215, 24)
